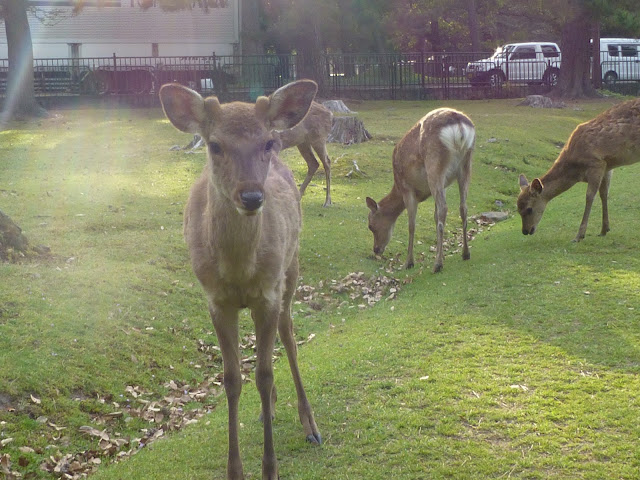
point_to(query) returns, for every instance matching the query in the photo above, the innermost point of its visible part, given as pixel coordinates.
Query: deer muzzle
(250, 202)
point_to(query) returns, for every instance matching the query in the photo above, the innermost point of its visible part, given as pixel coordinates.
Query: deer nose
(252, 200)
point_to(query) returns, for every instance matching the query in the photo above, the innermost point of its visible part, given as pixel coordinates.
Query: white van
(620, 59)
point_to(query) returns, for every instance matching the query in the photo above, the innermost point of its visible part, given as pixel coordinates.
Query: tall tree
(580, 19)
(20, 100)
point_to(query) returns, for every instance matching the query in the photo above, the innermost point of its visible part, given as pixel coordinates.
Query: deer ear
(289, 104)
(524, 183)
(183, 107)
(371, 203)
(536, 186)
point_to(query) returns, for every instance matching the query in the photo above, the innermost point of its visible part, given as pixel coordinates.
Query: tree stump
(540, 101)
(337, 106)
(348, 129)
(14, 246)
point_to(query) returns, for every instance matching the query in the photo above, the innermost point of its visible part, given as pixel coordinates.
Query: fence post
(115, 75)
(422, 80)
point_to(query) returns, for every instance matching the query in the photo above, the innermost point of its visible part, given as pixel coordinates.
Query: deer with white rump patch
(312, 132)
(594, 149)
(435, 152)
(242, 223)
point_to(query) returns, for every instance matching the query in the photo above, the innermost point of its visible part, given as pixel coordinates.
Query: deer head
(531, 204)
(240, 139)
(381, 226)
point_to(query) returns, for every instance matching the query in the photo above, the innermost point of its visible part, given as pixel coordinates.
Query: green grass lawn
(520, 363)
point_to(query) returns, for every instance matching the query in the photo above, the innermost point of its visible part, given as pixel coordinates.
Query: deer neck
(393, 204)
(560, 177)
(238, 236)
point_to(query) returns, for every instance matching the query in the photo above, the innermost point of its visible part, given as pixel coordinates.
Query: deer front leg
(312, 165)
(225, 322)
(411, 203)
(266, 324)
(604, 195)
(440, 219)
(285, 328)
(593, 186)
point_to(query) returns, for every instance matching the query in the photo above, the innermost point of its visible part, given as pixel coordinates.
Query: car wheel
(610, 78)
(496, 79)
(551, 77)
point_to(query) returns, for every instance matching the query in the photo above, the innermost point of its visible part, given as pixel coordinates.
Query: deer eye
(528, 211)
(269, 146)
(215, 148)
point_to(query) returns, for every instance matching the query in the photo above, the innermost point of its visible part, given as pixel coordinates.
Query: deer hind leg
(285, 328)
(594, 180)
(440, 216)
(265, 318)
(464, 178)
(312, 164)
(604, 195)
(411, 203)
(225, 322)
(321, 149)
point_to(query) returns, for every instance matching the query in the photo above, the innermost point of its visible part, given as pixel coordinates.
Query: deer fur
(312, 132)
(242, 222)
(594, 149)
(435, 152)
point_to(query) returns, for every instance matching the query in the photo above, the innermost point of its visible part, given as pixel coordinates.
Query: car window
(613, 50)
(523, 53)
(629, 50)
(549, 51)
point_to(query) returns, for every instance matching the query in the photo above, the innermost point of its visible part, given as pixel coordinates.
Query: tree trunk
(596, 66)
(251, 34)
(474, 34)
(20, 100)
(575, 79)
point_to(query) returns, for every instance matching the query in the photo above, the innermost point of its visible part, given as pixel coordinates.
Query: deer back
(435, 148)
(314, 127)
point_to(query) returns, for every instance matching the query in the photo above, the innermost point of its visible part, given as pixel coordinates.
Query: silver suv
(531, 62)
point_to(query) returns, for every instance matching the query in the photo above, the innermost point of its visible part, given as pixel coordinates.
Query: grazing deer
(241, 224)
(435, 152)
(312, 132)
(594, 149)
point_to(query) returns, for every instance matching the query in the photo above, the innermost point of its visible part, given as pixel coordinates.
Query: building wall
(130, 31)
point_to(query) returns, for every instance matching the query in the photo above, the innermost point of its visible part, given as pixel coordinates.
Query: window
(524, 53)
(550, 51)
(613, 50)
(629, 50)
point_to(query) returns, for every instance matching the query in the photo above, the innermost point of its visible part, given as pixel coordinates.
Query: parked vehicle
(530, 63)
(620, 59)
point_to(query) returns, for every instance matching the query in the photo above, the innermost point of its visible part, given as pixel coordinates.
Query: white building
(129, 31)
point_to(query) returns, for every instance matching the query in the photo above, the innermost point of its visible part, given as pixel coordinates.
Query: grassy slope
(528, 375)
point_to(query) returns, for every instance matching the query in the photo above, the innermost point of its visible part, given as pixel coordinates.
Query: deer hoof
(437, 268)
(409, 264)
(314, 439)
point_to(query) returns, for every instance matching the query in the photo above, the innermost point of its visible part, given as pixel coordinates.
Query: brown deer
(594, 149)
(242, 222)
(435, 152)
(312, 132)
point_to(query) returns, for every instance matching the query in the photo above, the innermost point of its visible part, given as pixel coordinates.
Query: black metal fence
(362, 76)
